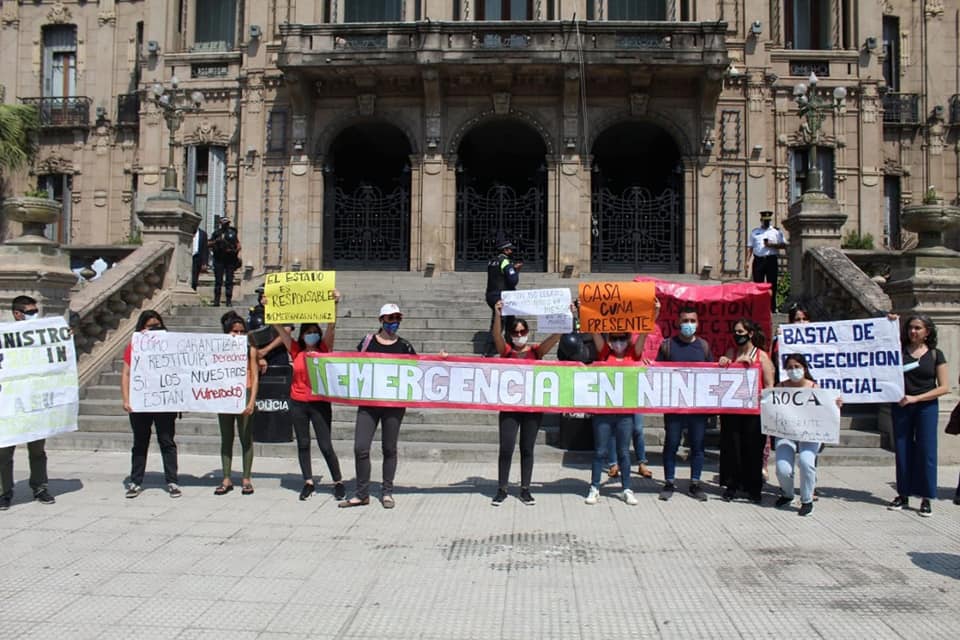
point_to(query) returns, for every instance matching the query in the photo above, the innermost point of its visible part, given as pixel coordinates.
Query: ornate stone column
(31, 264)
(168, 218)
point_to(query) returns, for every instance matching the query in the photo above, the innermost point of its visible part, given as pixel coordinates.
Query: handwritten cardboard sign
(551, 307)
(204, 372)
(38, 380)
(805, 415)
(859, 358)
(300, 296)
(607, 307)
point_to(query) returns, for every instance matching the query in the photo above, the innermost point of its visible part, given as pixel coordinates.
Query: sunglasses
(396, 317)
(521, 332)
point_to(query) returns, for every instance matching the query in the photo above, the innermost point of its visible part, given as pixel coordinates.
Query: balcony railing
(128, 109)
(901, 108)
(674, 43)
(955, 109)
(61, 112)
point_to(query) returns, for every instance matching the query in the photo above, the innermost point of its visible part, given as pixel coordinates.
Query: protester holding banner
(796, 314)
(306, 409)
(925, 379)
(385, 340)
(619, 427)
(741, 440)
(25, 308)
(510, 422)
(798, 377)
(235, 325)
(686, 347)
(140, 423)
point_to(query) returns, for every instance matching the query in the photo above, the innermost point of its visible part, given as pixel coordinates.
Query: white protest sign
(38, 380)
(550, 306)
(802, 414)
(859, 358)
(204, 372)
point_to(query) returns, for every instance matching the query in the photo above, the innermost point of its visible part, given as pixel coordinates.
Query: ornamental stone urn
(929, 222)
(34, 214)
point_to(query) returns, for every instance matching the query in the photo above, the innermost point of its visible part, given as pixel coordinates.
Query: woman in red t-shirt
(307, 409)
(526, 422)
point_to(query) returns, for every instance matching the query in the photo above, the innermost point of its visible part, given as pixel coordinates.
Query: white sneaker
(592, 496)
(628, 497)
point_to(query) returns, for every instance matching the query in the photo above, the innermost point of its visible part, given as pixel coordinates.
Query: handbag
(953, 425)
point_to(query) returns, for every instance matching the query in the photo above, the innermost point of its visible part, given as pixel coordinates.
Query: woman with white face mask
(517, 345)
(798, 377)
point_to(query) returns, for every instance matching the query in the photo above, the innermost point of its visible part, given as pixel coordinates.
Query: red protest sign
(607, 307)
(718, 308)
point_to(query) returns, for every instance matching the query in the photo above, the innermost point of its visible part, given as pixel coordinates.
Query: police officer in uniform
(502, 275)
(765, 244)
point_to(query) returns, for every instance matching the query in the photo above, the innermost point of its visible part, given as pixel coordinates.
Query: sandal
(354, 502)
(247, 490)
(223, 490)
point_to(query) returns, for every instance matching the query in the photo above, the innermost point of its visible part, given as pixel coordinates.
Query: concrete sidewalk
(445, 564)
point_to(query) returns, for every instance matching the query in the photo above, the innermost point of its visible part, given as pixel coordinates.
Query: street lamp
(174, 102)
(812, 109)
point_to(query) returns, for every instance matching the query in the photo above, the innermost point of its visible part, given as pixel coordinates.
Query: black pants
(140, 423)
(389, 419)
(195, 271)
(38, 468)
(766, 269)
(528, 424)
(223, 278)
(741, 453)
(302, 414)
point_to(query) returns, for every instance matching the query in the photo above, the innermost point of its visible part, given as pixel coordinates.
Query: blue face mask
(311, 339)
(391, 327)
(688, 329)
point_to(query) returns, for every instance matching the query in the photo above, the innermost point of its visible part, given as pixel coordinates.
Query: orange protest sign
(608, 307)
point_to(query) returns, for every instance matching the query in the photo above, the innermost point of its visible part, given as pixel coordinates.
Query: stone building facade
(598, 135)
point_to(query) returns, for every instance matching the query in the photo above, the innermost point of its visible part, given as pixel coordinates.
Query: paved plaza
(445, 564)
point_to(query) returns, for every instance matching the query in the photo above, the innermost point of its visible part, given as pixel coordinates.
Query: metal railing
(901, 108)
(61, 112)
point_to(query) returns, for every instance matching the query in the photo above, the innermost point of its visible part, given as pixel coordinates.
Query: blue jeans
(639, 446)
(696, 426)
(806, 462)
(915, 443)
(606, 427)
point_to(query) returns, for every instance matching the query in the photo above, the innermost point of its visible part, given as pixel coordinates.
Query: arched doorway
(637, 201)
(501, 189)
(367, 199)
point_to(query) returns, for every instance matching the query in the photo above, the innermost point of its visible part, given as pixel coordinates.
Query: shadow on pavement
(945, 564)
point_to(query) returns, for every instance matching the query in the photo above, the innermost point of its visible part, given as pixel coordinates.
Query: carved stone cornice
(59, 14)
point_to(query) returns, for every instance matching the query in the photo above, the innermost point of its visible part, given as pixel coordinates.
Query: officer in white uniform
(764, 247)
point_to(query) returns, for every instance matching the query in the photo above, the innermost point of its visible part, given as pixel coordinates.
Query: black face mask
(156, 328)
(741, 339)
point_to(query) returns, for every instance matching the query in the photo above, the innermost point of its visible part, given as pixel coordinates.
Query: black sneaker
(729, 494)
(43, 497)
(134, 490)
(667, 492)
(307, 491)
(339, 492)
(899, 503)
(499, 498)
(925, 510)
(697, 492)
(4, 503)
(806, 509)
(526, 498)
(174, 490)
(783, 501)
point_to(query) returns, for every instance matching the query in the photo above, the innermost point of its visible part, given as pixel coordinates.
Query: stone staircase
(445, 312)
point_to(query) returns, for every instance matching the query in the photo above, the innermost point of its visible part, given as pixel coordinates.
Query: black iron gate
(521, 218)
(370, 229)
(636, 231)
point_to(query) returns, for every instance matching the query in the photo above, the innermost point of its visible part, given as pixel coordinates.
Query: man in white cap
(385, 340)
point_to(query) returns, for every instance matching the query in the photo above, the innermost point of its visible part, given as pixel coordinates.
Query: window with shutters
(216, 25)
(206, 183)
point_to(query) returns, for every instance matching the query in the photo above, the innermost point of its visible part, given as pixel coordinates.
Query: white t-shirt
(771, 234)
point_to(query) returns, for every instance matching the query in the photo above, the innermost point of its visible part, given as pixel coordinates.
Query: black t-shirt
(400, 347)
(924, 377)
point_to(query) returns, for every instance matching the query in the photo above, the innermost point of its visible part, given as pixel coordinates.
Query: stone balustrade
(107, 308)
(835, 287)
